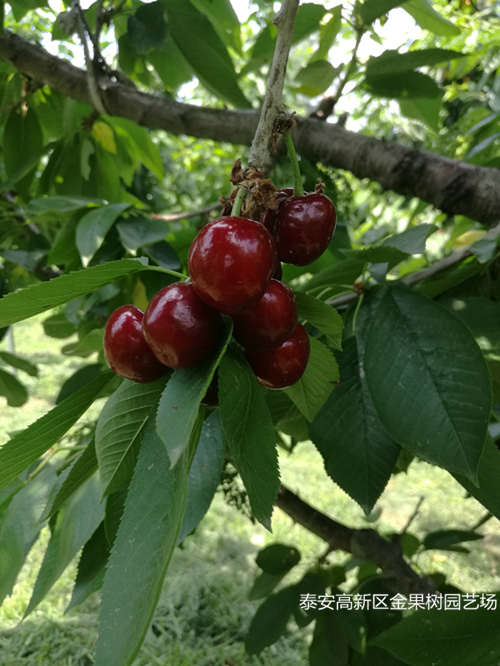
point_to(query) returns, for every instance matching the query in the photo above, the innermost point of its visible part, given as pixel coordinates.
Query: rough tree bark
(451, 186)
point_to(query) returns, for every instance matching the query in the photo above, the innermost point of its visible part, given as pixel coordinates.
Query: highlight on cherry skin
(269, 322)
(231, 262)
(284, 365)
(180, 328)
(126, 351)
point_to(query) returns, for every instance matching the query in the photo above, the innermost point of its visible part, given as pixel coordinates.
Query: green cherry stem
(298, 188)
(240, 195)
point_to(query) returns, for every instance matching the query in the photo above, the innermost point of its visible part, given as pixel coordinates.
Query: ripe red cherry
(269, 322)
(231, 262)
(283, 366)
(304, 228)
(180, 328)
(125, 349)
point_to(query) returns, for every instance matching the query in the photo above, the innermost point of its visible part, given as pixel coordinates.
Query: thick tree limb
(365, 544)
(451, 186)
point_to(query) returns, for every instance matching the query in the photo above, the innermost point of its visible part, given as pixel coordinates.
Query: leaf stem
(298, 187)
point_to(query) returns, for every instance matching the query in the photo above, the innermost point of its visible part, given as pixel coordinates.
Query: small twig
(273, 104)
(350, 67)
(191, 213)
(484, 519)
(89, 64)
(412, 517)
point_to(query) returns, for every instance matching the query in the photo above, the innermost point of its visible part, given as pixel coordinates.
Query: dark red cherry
(180, 328)
(304, 228)
(284, 365)
(269, 322)
(231, 262)
(125, 349)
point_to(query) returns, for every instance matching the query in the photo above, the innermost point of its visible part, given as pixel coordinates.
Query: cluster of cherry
(234, 265)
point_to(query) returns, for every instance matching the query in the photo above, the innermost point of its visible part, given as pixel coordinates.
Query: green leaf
(22, 143)
(429, 19)
(359, 455)
(93, 227)
(249, 433)
(420, 363)
(204, 474)
(142, 550)
(63, 250)
(170, 65)
(12, 389)
(329, 646)
(404, 85)
(19, 363)
(119, 431)
(27, 446)
(92, 342)
(286, 417)
(224, 19)
(21, 7)
(342, 274)
(60, 205)
(446, 637)
(312, 390)
(147, 28)
(204, 51)
(72, 479)
(484, 249)
(487, 492)
(91, 567)
(277, 558)
(443, 539)
(393, 62)
(323, 317)
(413, 240)
(43, 296)
(270, 620)
(308, 20)
(425, 110)
(180, 401)
(264, 585)
(75, 523)
(374, 9)
(316, 77)
(327, 35)
(136, 232)
(139, 143)
(79, 379)
(482, 318)
(19, 526)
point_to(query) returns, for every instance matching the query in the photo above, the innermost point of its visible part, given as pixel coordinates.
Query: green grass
(204, 613)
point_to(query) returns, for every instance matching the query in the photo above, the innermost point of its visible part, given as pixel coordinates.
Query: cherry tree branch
(366, 544)
(454, 187)
(273, 101)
